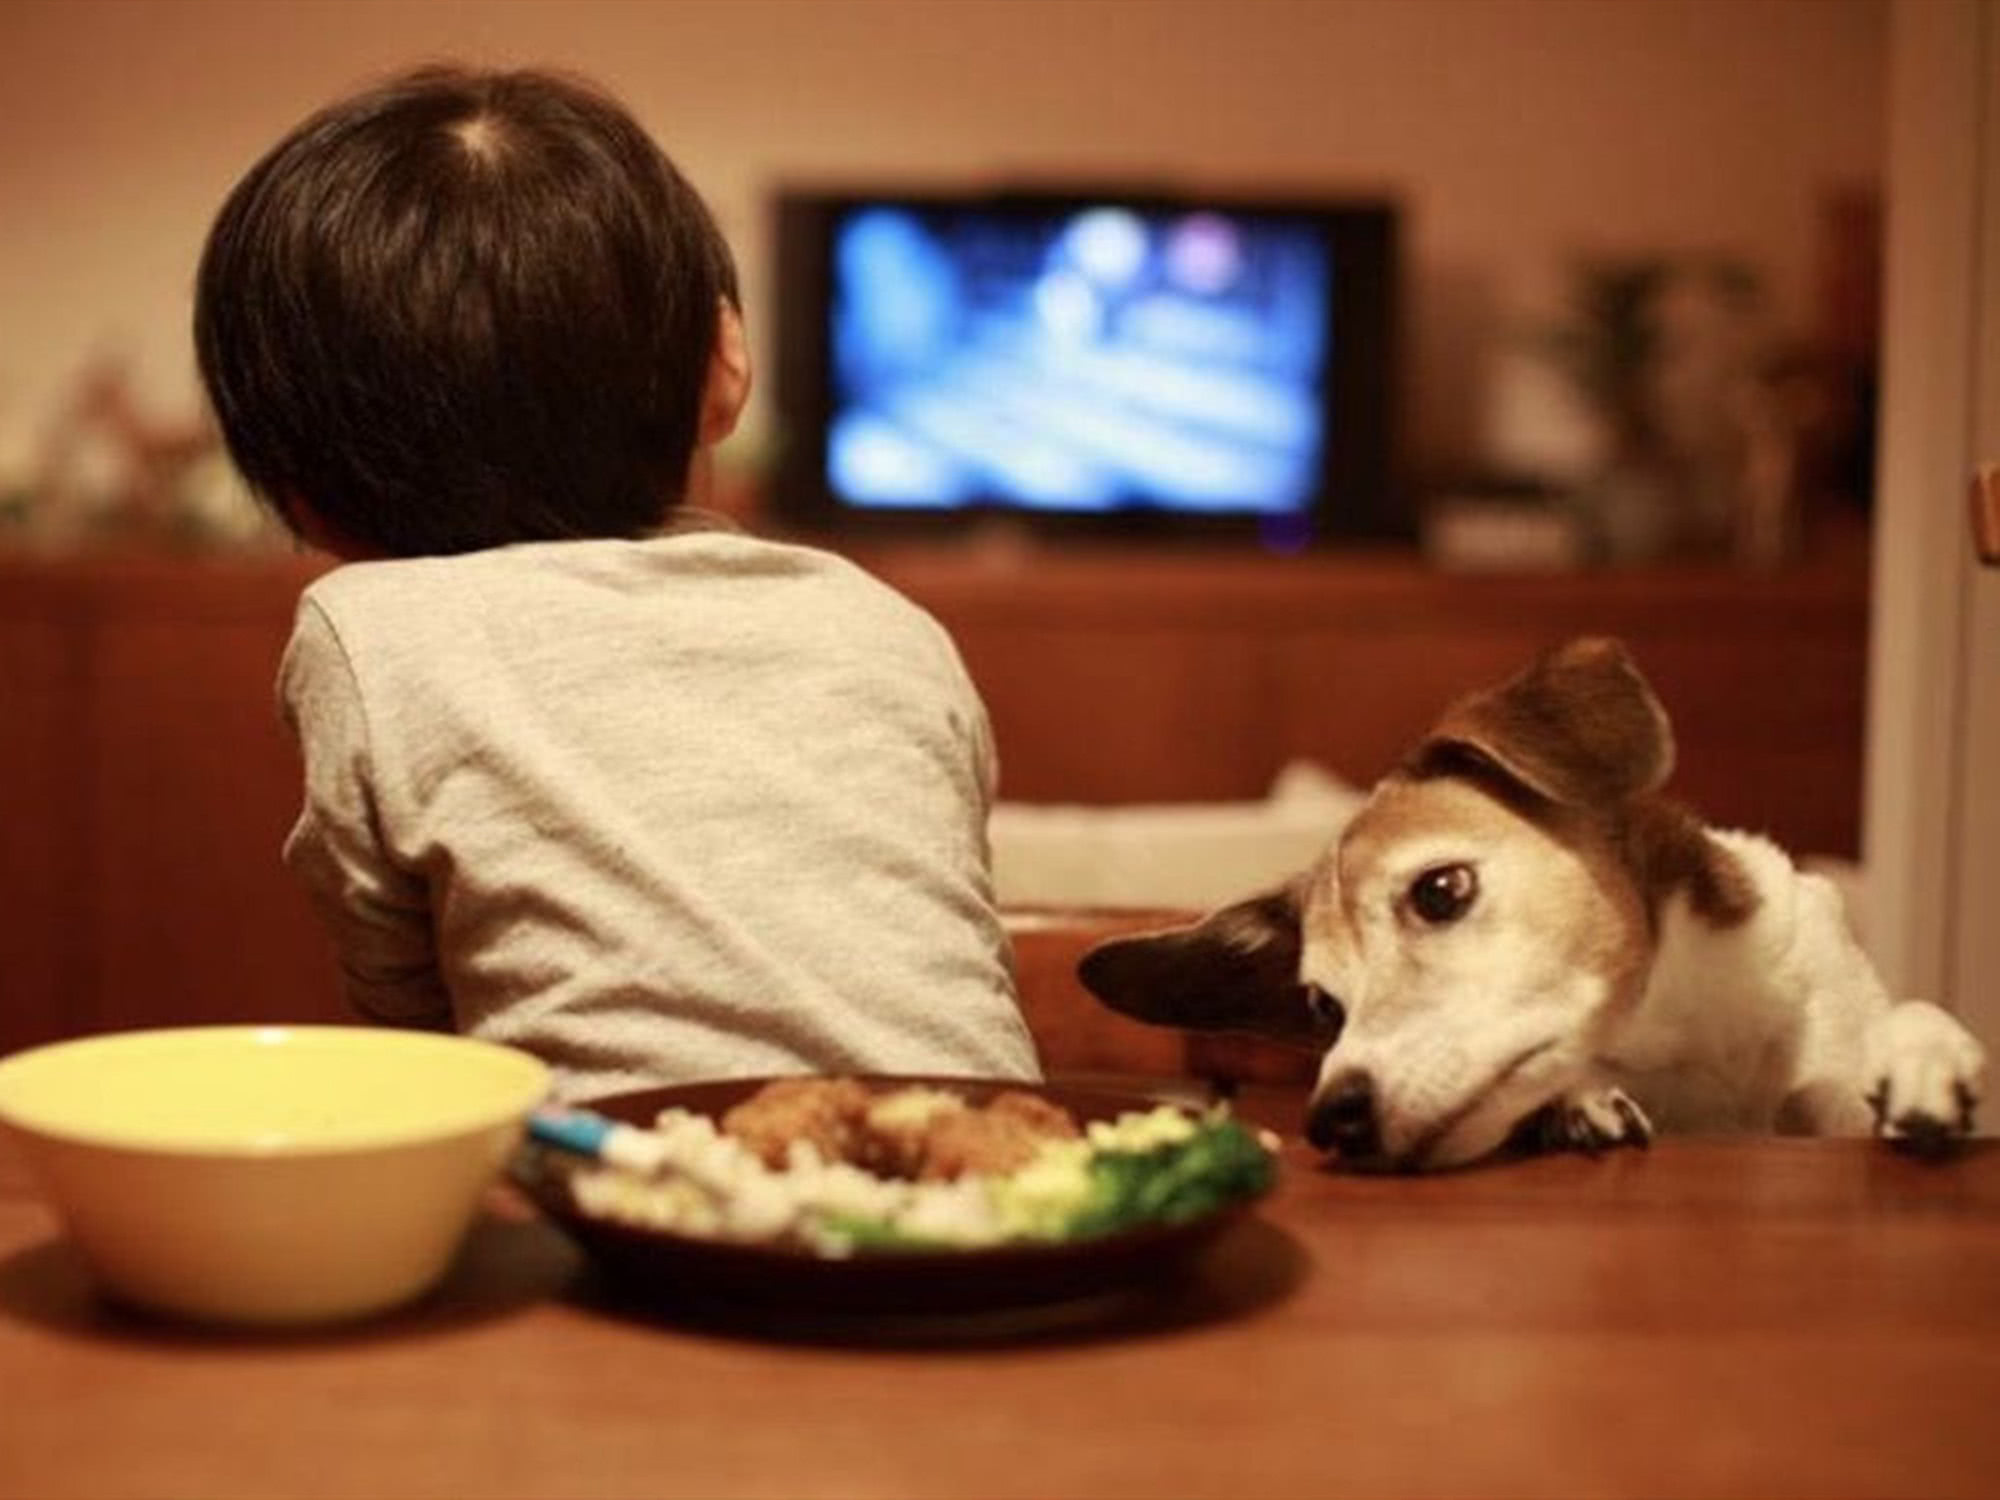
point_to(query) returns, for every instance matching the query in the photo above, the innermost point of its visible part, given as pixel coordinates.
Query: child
(584, 771)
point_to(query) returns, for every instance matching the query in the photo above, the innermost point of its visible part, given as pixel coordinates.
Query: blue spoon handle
(575, 1130)
(584, 1132)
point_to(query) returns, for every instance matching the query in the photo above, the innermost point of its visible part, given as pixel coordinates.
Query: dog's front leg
(1590, 1119)
(1924, 1075)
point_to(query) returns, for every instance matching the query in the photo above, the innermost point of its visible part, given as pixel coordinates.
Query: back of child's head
(463, 309)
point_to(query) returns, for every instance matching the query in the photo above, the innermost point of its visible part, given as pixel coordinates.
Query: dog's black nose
(1343, 1118)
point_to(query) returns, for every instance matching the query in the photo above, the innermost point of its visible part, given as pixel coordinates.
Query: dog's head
(1466, 941)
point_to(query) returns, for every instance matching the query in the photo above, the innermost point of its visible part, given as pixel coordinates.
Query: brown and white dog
(1517, 938)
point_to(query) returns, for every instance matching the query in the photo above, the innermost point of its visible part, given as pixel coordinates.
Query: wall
(1518, 131)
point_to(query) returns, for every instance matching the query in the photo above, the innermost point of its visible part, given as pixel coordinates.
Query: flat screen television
(1104, 363)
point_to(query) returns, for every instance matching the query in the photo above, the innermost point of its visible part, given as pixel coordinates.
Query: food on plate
(819, 1112)
(921, 1132)
(838, 1166)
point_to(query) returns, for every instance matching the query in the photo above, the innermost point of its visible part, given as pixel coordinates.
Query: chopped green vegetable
(880, 1234)
(1076, 1190)
(1172, 1183)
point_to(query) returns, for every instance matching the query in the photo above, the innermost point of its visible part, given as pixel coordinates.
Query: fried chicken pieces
(920, 1133)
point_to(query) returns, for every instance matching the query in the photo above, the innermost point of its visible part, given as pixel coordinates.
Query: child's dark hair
(462, 309)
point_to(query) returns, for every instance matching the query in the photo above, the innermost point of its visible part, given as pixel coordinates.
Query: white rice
(712, 1186)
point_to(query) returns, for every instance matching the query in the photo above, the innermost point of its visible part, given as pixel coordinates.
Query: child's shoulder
(792, 576)
(679, 568)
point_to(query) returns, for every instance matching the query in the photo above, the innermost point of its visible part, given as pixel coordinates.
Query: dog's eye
(1325, 1008)
(1443, 894)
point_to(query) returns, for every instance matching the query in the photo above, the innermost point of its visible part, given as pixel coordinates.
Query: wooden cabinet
(1159, 677)
(146, 783)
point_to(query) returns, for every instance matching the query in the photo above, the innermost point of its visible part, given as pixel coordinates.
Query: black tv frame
(1360, 495)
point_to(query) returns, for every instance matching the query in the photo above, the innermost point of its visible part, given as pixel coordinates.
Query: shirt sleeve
(970, 715)
(377, 910)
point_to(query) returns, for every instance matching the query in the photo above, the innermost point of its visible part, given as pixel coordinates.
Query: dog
(1517, 939)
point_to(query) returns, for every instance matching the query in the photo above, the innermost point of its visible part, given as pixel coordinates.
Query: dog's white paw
(1593, 1120)
(1925, 1074)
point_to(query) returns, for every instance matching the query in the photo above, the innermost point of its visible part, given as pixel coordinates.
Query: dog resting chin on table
(1518, 940)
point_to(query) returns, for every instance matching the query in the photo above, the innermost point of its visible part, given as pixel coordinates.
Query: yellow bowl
(268, 1174)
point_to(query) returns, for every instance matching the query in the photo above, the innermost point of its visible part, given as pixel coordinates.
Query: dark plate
(658, 1265)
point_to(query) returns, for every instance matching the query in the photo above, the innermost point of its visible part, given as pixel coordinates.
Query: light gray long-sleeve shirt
(688, 807)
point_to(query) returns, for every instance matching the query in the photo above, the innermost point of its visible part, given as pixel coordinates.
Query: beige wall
(1518, 132)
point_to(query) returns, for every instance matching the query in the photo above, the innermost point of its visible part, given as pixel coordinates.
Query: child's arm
(377, 910)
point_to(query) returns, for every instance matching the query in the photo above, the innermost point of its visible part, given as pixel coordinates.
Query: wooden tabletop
(1706, 1318)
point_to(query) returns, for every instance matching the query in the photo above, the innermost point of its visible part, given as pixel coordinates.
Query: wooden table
(1767, 1319)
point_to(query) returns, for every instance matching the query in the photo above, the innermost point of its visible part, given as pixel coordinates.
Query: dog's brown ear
(1237, 969)
(1578, 726)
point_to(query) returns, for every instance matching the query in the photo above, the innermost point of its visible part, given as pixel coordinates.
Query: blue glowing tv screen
(1103, 360)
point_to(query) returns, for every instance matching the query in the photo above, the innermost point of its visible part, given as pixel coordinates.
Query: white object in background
(1501, 536)
(1184, 855)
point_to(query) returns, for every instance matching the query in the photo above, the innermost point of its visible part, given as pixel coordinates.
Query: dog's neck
(1717, 1035)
